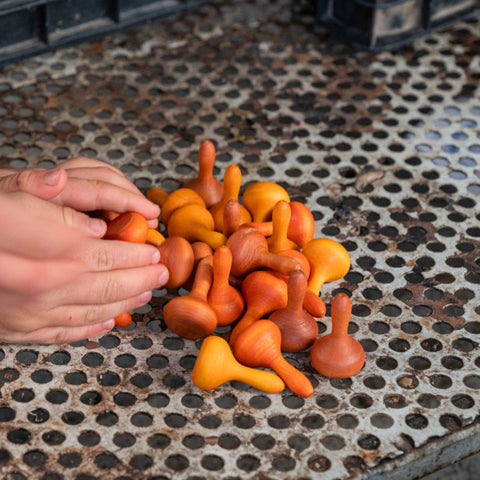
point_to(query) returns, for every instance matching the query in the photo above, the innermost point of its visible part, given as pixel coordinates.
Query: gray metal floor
(383, 148)
(466, 469)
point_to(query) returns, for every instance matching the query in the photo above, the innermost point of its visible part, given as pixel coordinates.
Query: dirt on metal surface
(383, 148)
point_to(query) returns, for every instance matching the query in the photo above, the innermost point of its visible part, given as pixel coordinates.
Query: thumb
(44, 184)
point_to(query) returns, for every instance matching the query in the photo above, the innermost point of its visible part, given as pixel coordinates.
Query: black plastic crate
(29, 27)
(388, 24)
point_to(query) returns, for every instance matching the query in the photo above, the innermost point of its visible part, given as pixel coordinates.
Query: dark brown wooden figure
(299, 329)
(250, 251)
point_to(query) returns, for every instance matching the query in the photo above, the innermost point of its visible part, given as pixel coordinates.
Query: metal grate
(383, 148)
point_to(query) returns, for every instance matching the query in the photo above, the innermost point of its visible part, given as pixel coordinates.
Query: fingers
(45, 184)
(105, 255)
(84, 315)
(84, 162)
(95, 170)
(35, 228)
(88, 195)
(37, 318)
(34, 276)
(104, 288)
(105, 173)
(63, 334)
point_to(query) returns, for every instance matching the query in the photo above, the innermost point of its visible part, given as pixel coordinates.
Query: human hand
(59, 280)
(82, 184)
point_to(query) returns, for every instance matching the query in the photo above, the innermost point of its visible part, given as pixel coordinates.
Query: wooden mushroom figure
(205, 184)
(299, 329)
(312, 303)
(129, 227)
(301, 228)
(157, 195)
(232, 217)
(250, 251)
(216, 365)
(329, 261)
(279, 241)
(232, 180)
(190, 316)
(259, 346)
(263, 293)
(195, 223)
(259, 198)
(226, 301)
(337, 355)
(178, 198)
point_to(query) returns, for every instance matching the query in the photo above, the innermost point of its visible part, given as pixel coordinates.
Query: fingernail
(51, 177)
(108, 324)
(97, 225)
(145, 296)
(163, 278)
(156, 256)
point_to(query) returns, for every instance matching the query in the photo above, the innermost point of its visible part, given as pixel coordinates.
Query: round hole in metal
(244, 421)
(259, 402)
(193, 442)
(248, 463)
(208, 421)
(369, 442)
(159, 441)
(39, 415)
(23, 395)
(229, 441)
(73, 417)
(19, 436)
(313, 422)
(124, 399)
(226, 401)
(142, 419)
(124, 440)
(141, 462)
(75, 378)
(92, 359)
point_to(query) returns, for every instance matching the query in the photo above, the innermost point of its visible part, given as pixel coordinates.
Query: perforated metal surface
(383, 148)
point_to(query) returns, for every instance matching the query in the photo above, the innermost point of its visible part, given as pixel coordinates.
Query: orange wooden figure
(329, 261)
(216, 365)
(263, 293)
(259, 346)
(226, 301)
(129, 227)
(178, 198)
(259, 198)
(205, 184)
(190, 316)
(157, 195)
(301, 228)
(279, 241)
(232, 217)
(232, 180)
(337, 355)
(123, 320)
(195, 223)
